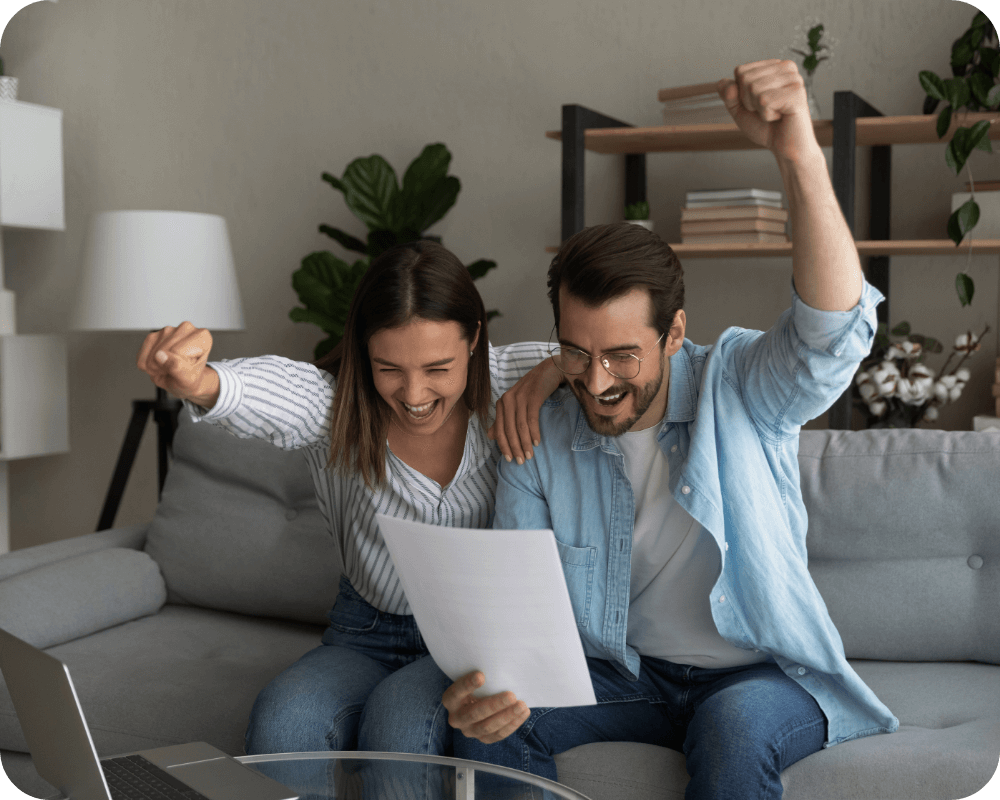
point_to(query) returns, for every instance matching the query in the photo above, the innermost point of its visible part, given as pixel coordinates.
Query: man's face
(615, 405)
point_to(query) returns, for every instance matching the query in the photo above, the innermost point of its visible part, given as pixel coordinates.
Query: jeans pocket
(578, 567)
(352, 614)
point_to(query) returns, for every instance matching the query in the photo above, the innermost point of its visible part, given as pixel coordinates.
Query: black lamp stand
(165, 410)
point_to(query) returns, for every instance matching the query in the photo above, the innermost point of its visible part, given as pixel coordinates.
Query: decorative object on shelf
(733, 216)
(144, 270)
(693, 105)
(896, 389)
(8, 85)
(393, 215)
(820, 49)
(638, 214)
(975, 65)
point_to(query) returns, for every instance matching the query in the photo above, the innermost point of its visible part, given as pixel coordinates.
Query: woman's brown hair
(418, 280)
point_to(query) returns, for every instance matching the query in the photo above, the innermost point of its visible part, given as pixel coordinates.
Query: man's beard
(644, 397)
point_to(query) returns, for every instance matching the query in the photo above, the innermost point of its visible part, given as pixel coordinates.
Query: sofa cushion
(77, 596)
(186, 674)
(238, 528)
(904, 540)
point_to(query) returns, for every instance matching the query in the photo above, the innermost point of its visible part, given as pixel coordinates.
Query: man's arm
(767, 100)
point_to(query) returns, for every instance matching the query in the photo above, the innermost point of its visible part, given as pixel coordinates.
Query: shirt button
(686, 490)
(673, 449)
(727, 545)
(722, 598)
(802, 670)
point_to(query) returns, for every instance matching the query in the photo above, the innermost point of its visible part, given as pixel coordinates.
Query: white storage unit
(34, 406)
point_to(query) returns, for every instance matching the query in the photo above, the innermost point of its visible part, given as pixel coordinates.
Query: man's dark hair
(603, 262)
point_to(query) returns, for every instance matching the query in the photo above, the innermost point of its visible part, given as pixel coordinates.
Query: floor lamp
(142, 271)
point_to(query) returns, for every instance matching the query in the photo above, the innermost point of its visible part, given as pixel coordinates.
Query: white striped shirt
(289, 404)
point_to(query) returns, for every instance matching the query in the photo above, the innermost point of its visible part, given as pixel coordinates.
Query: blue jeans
(317, 703)
(738, 728)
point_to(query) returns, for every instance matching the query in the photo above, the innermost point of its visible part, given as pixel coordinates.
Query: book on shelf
(734, 238)
(748, 201)
(717, 196)
(732, 226)
(734, 212)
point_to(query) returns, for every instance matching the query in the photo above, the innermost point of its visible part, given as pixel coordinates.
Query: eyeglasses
(571, 361)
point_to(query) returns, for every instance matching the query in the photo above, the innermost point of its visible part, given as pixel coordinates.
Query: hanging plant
(975, 66)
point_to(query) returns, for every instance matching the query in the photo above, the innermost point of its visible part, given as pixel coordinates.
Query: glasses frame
(602, 360)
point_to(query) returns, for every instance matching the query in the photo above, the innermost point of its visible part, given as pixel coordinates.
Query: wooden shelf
(916, 129)
(913, 247)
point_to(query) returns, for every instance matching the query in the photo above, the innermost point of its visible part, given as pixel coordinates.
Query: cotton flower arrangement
(897, 389)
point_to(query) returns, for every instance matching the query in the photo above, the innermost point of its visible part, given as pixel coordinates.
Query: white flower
(894, 352)
(967, 342)
(963, 375)
(955, 393)
(885, 377)
(878, 407)
(930, 413)
(949, 381)
(940, 392)
(911, 349)
(911, 392)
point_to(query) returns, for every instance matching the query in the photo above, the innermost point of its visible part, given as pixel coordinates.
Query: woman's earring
(471, 353)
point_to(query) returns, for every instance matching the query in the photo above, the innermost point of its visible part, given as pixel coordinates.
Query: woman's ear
(475, 339)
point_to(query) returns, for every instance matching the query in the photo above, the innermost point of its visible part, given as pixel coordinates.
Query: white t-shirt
(675, 564)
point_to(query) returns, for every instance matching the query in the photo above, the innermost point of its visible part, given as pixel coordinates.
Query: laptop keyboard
(137, 778)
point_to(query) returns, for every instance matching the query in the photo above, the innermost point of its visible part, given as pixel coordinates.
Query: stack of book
(693, 105)
(733, 216)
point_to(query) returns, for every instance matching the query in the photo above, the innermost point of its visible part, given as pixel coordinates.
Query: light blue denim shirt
(730, 436)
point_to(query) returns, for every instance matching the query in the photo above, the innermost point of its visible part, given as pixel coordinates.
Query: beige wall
(235, 107)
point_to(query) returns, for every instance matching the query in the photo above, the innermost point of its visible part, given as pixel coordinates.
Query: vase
(645, 223)
(811, 97)
(8, 88)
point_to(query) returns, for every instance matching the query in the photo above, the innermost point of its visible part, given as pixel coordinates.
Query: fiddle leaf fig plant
(394, 214)
(975, 66)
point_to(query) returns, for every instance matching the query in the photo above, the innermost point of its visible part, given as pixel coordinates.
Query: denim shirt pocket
(578, 567)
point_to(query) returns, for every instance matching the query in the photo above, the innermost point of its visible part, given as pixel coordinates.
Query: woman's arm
(527, 377)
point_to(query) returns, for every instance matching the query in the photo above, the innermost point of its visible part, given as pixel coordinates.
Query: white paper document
(494, 601)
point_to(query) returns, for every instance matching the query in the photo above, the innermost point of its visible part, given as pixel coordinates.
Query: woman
(396, 422)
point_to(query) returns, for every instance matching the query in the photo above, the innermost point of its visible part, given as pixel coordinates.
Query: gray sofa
(172, 628)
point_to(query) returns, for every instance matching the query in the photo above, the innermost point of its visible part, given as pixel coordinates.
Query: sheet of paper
(495, 601)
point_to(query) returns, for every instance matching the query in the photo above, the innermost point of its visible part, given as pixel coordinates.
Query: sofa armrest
(133, 537)
(77, 596)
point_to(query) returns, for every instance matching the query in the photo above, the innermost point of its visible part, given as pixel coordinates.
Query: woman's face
(420, 370)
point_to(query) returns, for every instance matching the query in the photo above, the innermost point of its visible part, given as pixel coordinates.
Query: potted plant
(638, 214)
(975, 65)
(8, 85)
(394, 214)
(814, 52)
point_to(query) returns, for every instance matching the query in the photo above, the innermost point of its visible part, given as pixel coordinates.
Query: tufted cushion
(78, 596)
(238, 528)
(904, 540)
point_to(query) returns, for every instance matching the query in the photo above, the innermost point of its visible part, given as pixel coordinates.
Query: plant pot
(645, 223)
(8, 88)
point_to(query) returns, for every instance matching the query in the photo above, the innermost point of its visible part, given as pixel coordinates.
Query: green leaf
(963, 220)
(324, 321)
(956, 92)
(639, 210)
(346, 241)
(381, 240)
(814, 36)
(993, 97)
(943, 121)
(369, 189)
(961, 53)
(932, 84)
(980, 83)
(902, 329)
(427, 192)
(492, 314)
(334, 182)
(978, 137)
(325, 285)
(965, 288)
(326, 346)
(989, 57)
(479, 268)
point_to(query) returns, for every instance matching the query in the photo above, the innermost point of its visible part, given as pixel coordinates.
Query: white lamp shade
(145, 270)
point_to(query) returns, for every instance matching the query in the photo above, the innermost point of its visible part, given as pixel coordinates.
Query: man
(668, 473)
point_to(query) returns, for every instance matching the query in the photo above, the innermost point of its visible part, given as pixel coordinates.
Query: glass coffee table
(402, 776)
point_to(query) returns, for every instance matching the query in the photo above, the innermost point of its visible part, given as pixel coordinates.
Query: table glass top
(401, 776)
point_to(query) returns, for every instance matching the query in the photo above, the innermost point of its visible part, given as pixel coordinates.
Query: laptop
(63, 751)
